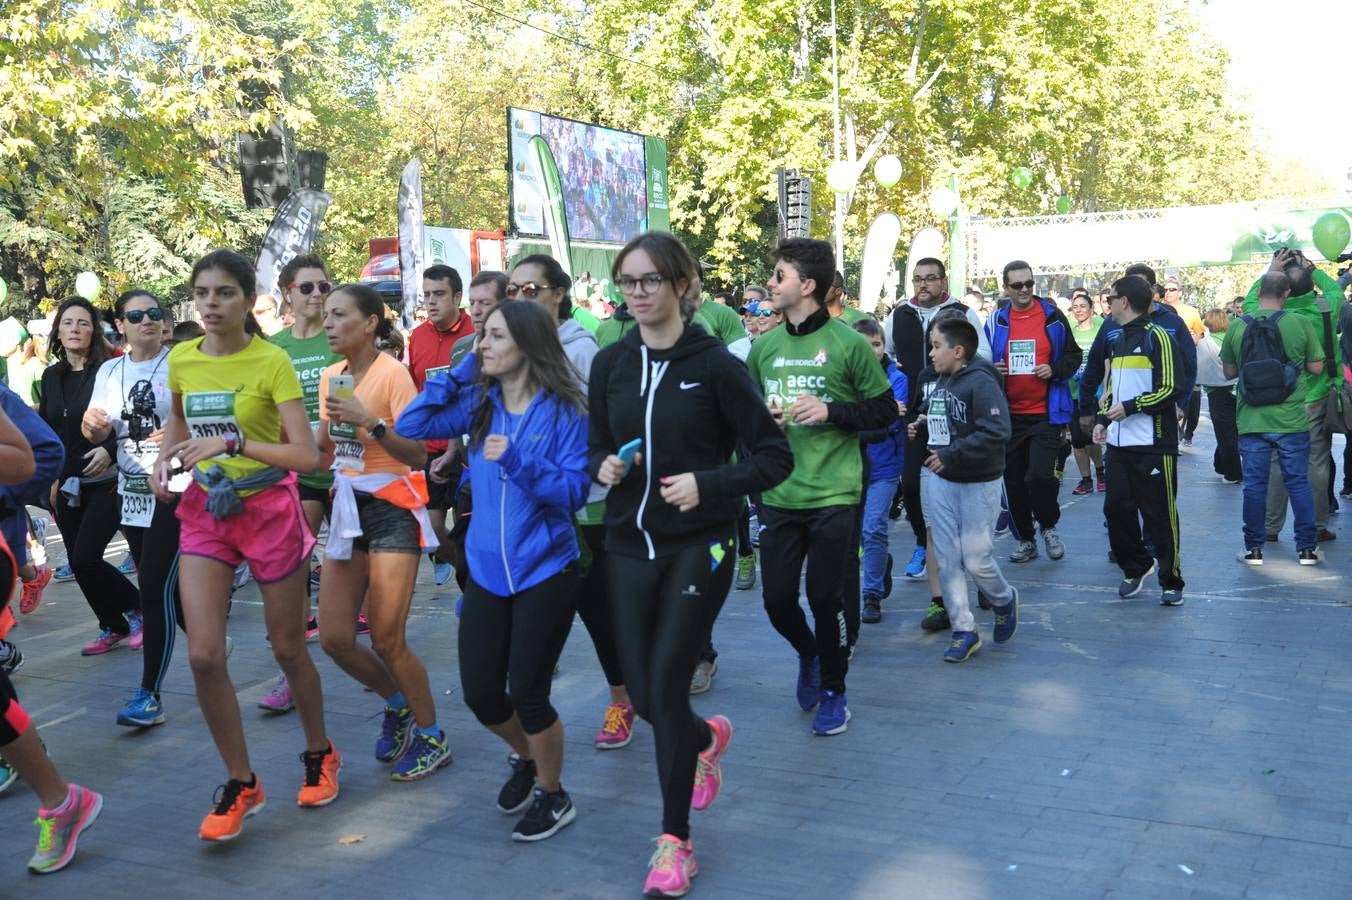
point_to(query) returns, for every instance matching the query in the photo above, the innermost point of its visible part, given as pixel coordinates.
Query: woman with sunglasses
(671, 515)
(305, 284)
(237, 423)
(518, 399)
(130, 404)
(85, 499)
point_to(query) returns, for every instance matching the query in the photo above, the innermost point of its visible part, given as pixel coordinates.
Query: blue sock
(432, 731)
(397, 701)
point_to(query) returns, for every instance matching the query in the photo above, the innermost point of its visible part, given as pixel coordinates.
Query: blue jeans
(1293, 456)
(877, 504)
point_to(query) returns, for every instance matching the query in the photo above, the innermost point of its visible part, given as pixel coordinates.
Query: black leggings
(87, 530)
(515, 641)
(1192, 412)
(593, 605)
(916, 452)
(663, 610)
(155, 550)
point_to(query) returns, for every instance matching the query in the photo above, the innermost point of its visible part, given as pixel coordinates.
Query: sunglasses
(764, 313)
(309, 287)
(136, 316)
(1020, 285)
(530, 290)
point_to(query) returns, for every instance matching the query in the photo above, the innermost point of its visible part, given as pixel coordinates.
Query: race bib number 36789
(211, 414)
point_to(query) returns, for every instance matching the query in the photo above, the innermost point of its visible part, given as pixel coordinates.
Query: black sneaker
(12, 660)
(1308, 557)
(1130, 587)
(515, 794)
(547, 814)
(1171, 597)
(1253, 557)
(895, 512)
(873, 610)
(936, 617)
(887, 578)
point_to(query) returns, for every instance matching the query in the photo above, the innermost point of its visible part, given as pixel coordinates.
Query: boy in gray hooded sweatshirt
(965, 426)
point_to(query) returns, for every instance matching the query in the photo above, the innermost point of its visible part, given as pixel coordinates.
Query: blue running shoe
(8, 775)
(832, 714)
(1007, 619)
(394, 734)
(423, 756)
(142, 711)
(916, 567)
(127, 566)
(809, 681)
(63, 573)
(442, 572)
(964, 644)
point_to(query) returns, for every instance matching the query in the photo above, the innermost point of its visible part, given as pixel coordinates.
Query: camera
(141, 419)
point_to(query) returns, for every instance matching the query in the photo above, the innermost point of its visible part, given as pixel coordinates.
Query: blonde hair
(1217, 320)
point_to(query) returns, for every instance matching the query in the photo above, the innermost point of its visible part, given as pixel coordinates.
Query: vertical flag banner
(411, 260)
(957, 244)
(659, 213)
(556, 222)
(880, 246)
(291, 233)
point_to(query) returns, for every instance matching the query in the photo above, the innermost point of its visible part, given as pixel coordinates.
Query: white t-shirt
(114, 385)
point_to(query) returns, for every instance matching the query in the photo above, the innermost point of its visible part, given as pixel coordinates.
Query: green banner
(556, 222)
(1267, 232)
(659, 214)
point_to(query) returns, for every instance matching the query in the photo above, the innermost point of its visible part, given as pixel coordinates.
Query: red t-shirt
(1027, 342)
(429, 348)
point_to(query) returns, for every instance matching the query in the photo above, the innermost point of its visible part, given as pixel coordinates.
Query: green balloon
(87, 285)
(1331, 234)
(1063, 205)
(1022, 177)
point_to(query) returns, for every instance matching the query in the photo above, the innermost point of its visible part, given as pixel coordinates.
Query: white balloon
(943, 201)
(887, 170)
(841, 177)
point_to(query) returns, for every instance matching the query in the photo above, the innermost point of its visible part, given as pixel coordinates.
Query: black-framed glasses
(1112, 298)
(1021, 285)
(136, 316)
(650, 282)
(927, 279)
(530, 290)
(309, 287)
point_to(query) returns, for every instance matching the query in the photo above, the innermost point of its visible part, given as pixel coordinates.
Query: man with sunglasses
(1032, 348)
(429, 352)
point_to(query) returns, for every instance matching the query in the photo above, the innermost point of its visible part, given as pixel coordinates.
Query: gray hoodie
(978, 422)
(579, 345)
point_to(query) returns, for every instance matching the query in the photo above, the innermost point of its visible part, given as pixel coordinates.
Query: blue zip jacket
(1184, 379)
(521, 532)
(1065, 357)
(48, 452)
(887, 448)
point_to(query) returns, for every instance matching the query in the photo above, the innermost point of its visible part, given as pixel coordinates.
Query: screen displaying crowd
(605, 186)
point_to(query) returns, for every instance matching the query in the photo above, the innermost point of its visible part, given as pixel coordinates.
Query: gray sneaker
(1027, 551)
(1055, 549)
(746, 573)
(703, 678)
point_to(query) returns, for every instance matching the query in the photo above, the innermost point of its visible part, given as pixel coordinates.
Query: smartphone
(628, 452)
(341, 387)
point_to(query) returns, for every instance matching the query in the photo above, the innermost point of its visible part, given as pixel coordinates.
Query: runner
(85, 500)
(305, 283)
(131, 403)
(518, 400)
(814, 359)
(671, 515)
(1220, 396)
(1084, 325)
(238, 424)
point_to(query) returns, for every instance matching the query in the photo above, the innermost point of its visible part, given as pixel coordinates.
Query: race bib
(1022, 357)
(348, 452)
(138, 503)
(211, 414)
(937, 420)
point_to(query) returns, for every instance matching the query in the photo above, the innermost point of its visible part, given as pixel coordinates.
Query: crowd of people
(630, 475)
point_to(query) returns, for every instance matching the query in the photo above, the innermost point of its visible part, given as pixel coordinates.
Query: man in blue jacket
(1032, 348)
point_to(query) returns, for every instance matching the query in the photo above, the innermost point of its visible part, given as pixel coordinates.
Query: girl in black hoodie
(672, 514)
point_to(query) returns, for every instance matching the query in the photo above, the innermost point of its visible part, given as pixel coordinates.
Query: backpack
(1266, 376)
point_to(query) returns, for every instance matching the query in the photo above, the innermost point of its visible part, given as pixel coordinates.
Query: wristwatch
(378, 430)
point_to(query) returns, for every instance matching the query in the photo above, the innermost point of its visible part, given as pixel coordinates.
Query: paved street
(1113, 749)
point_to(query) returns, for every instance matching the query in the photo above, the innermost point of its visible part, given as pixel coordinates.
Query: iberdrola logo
(820, 358)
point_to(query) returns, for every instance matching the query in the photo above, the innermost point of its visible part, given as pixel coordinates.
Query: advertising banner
(411, 259)
(292, 232)
(659, 214)
(555, 217)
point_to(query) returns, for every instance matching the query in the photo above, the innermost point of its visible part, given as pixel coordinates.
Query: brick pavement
(1113, 749)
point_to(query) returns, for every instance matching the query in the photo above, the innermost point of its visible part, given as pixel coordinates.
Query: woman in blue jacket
(518, 399)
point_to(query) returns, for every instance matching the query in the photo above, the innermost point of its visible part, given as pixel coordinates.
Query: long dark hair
(537, 336)
(98, 344)
(368, 303)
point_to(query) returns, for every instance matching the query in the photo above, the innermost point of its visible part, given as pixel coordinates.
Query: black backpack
(1266, 376)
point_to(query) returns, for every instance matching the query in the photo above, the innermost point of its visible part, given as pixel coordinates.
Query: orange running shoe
(321, 777)
(32, 590)
(235, 802)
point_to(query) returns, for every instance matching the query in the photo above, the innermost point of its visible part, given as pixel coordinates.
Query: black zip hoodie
(978, 421)
(692, 404)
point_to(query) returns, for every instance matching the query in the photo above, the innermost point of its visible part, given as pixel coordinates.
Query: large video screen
(604, 175)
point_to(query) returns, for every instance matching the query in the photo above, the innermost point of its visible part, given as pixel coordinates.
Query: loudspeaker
(265, 167)
(795, 204)
(312, 165)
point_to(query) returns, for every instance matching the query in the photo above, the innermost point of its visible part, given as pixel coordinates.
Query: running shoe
(138, 635)
(423, 756)
(363, 626)
(618, 729)
(11, 658)
(756, 529)
(63, 573)
(516, 793)
(963, 645)
(312, 630)
(106, 641)
(234, 802)
(242, 577)
(59, 829)
(1007, 619)
(873, 610)
(278, 699)
(320, 787)
(548, 812)
(746, 573)
(8, 775)
(708, 772)
(1171, 597)
(442, 572)
(887, 578)
(142, 711)
(32, 590)
(1253, 557)
(809, 682)
(1026, 551)
(703, 679)
(1086, 486)
(127, 566)
(936, 617)
(1130, 587)
(1326, 535)
(314, 577)
(832, 714)
(1101, 481)
(37, 545)
(394, 734)
(1052, 540)
(670, 869)
(1308, 557)
(916, 567)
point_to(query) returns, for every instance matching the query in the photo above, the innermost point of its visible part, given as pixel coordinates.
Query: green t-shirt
(309, 356)
(715, 318)
(835, 364)
(1301, 345)
(1307, 306)
(851, 314)
(1084, 339)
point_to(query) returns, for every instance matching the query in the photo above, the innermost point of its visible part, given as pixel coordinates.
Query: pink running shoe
(32, 590)
(278, 699)
(618, 729)
(138, 634)
(312, 630)
(672, 866)
(59, 829)
(708, 773)
(106, 641)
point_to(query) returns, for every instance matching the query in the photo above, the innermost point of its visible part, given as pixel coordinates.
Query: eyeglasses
(135, 316)
(764, 313)
(1020, 285)
(1173, 290)
(530, 290)
(926, 279)
(309, 287)
(650, 282)
(1113, 298)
